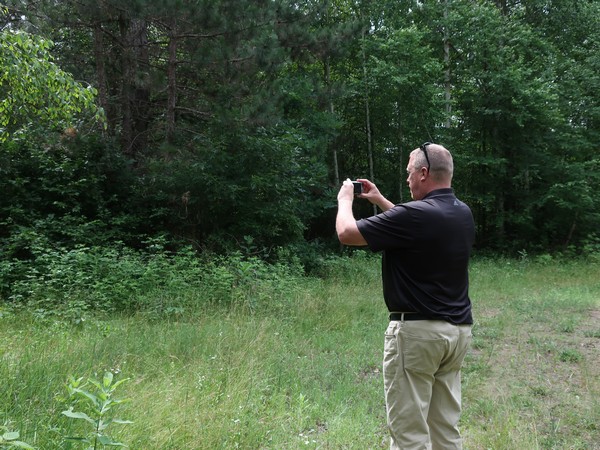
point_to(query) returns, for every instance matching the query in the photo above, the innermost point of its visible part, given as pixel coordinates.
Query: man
(426, 245)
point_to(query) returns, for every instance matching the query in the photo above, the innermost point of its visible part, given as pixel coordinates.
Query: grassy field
(304, 371)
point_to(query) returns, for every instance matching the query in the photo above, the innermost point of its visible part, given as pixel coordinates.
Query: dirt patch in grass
(542, 374)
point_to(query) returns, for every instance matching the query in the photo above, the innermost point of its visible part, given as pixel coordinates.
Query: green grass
(307, 373)
(531, 380)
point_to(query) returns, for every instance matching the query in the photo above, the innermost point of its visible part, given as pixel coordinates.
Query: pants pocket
(391, 339)
(457, 358)
(422, 355)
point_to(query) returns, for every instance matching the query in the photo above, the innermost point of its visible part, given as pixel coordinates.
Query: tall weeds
(237, 353)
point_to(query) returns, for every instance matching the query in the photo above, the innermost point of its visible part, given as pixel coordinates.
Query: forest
(227, 126)
(169, 170)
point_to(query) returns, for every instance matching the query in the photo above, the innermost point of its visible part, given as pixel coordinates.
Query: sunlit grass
(307, 374)
(531, 380)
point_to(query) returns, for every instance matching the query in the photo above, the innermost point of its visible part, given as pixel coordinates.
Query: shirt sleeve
(388, 230)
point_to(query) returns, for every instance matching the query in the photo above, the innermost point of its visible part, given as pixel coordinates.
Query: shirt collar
(439, 192)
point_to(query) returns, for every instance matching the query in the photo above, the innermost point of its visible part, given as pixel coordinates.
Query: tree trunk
(400, 152)
(135, 94)
(101, 74)
(571, 231)
(447, 84)
(172, 83)
(503, 6)
(368, 116)
(336, 167)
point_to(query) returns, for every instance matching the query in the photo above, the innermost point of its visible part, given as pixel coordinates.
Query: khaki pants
(421, 370)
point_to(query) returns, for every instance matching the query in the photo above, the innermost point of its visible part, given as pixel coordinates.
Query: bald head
(441, 166)
(428, 173)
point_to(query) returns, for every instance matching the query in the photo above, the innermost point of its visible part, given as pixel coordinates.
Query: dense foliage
(34, 89)
(228, 125)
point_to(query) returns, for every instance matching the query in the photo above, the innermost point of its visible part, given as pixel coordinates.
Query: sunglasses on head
(424, 150)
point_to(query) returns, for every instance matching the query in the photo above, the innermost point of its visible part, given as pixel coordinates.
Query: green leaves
(34, 90)
(10, 439)
(97, 403)
(78, 415)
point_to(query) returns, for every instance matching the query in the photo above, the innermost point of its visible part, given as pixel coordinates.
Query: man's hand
(371, 193)
(346, 191)
(345, 224)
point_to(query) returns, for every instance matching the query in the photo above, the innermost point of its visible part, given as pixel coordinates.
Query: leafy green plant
(97, 404)
(570, 355)
(43, 92)
(10, 439)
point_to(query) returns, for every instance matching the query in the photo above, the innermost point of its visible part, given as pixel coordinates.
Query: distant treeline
(230, 124)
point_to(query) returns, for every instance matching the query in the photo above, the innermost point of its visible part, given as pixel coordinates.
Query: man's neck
(437, 187)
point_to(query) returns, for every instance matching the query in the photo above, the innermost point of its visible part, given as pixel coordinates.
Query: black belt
(408, 316)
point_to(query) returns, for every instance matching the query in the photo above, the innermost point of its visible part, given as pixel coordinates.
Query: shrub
(72, 283)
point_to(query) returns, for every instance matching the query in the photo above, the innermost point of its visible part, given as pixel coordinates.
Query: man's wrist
(383, 203)
(345, 201)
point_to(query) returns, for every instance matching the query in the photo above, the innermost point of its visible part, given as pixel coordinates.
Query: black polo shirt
(426, 247)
